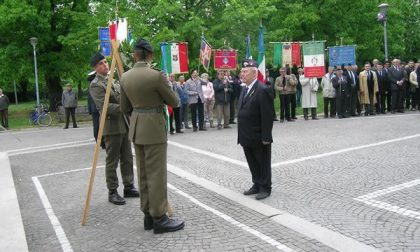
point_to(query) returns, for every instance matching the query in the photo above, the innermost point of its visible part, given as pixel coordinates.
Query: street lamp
(382, 17)
(34, 41)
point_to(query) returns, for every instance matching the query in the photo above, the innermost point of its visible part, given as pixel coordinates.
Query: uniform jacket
(255, 116)
(4, 102)
(194, 90)
(395, 75)
(327, 87)
(289, 88)
(364, 91)
(114, 123)
(309, 89)
(222, 97)
(69, 99)
(145, 88)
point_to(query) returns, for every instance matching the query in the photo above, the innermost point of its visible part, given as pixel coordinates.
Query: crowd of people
(347, 91)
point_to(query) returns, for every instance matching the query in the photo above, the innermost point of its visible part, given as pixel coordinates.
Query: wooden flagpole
(100, 133)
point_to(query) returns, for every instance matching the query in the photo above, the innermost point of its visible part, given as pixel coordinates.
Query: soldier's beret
(249, 63)
(143, 44)
(96, 58)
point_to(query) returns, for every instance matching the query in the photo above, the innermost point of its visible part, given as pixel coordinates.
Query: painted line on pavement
(232, 221)
(12, 232)
(326, 236)
(61, 235)
(369, 199)
(50, 147)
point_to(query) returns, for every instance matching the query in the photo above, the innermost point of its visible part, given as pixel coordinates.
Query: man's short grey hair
(204, 76)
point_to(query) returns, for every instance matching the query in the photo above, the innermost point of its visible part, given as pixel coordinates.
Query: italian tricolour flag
(174, 57)
(313, 59)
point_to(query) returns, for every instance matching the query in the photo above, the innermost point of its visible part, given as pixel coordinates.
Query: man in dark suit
(255, 123)
(353, 82)
(396, 78)
(269, 82)
(383, 85)
(342, 93)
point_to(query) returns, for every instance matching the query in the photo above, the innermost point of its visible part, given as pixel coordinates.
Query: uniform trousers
(259, 162)
(152, 178)
(118, 149)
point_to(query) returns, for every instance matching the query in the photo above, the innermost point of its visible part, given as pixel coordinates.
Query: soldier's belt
(149, 110)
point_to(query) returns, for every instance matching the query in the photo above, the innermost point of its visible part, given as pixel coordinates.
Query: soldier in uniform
(118, 148)
(144, 91)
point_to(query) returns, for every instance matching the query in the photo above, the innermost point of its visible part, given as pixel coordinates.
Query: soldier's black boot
(115, 198)
(165, 224)
(148, 221)
(131, 192)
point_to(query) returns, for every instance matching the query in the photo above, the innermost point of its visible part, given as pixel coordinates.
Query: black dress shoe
(294, 118)
(179, 131)
(188, 127)
(202, 129)
(165, 224)
(148, 221)
(253, 190)
(232, 122)
(275, 119)
(131, 192)
(171, 132)
(195, 129)
(115, 198)
(262, 195)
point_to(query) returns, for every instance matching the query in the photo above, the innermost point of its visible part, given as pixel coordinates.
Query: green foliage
(68, 36)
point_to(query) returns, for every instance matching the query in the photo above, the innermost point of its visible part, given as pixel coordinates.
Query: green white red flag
(174, 57)
(313, 59)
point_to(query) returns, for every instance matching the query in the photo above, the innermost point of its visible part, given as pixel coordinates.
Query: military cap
(249, 63)
(143, 44)
(96, 58)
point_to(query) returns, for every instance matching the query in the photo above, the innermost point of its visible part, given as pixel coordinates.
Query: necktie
(284, 81)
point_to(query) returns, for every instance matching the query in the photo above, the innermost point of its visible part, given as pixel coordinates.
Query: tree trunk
(55, 90)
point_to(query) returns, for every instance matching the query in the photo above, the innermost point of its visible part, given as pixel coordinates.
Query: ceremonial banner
(122, 32)
(248, 47)
(225, 59)
(287, 55)
(313, 59)
(106, 48)
(342, 55)
(174, 57)
(104, 34)
(205, 54)
(112, 30)
(296, 54)
(277, 58)
(261, 55)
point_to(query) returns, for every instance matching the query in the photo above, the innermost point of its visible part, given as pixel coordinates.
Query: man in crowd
(409, 95)
(196, 101)
(236, 90)
(383, 86)
(4, 110)
(144, 91)
(309, 95)
(184, 102)
(255, 124)
(328, 92)
(223, 92)
(269, 82)
(284, 85)
(69, 101)
(176, 110)
(118, 148)
(292, 94)
(353, 81)
(396, 79)
(93, 111)
(342, 92)
(368, 89)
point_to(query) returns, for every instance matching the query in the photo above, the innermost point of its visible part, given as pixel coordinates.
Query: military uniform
(144, 91)
(118, 148)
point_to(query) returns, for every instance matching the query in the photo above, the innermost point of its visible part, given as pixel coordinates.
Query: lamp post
(382, 17)
(34, 41)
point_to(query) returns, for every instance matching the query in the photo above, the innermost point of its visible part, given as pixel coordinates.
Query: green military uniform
(144, 91)
(118, 148)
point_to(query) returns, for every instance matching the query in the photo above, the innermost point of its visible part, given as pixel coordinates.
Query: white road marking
(232, 221)
(328, 237)
(61, 235)
(297, 160)
(42, 148)
(369, 199)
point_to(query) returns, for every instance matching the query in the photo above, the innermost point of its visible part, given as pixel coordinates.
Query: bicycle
(40, 116)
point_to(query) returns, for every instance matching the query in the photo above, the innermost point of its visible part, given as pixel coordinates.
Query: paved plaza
(338, 185)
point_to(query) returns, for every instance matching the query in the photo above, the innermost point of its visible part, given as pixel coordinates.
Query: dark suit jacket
(255, 116)
(342, 88)
(394, 75)
(383, 82)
